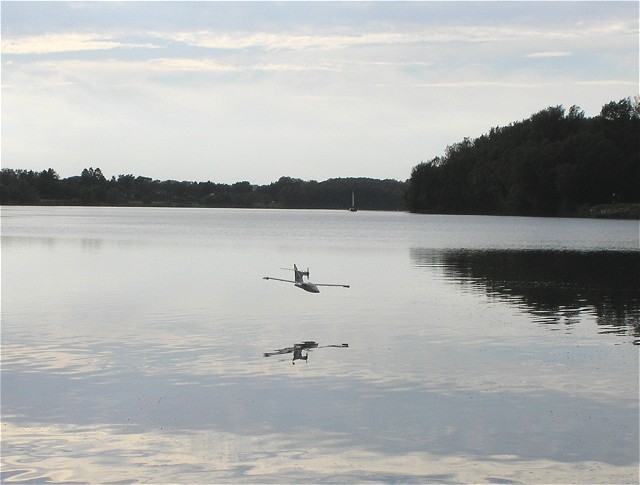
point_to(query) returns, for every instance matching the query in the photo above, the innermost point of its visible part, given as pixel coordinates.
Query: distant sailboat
(353, 203)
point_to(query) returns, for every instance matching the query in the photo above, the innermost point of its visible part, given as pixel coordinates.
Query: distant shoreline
(601, 211)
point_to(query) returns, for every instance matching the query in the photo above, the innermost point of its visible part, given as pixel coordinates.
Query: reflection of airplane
(303, 283)
(301, 351)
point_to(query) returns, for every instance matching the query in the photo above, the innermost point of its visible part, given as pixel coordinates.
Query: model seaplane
(302, 280)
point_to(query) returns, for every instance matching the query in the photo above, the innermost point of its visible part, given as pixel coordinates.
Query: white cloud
(176, 65)
(549, 54)
(320, 40)
(66, 42)
(488, 84)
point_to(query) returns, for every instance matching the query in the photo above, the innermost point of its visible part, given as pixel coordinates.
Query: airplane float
(303, 283)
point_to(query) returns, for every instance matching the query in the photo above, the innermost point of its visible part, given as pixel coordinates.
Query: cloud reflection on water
(394, 417)
(108, 454)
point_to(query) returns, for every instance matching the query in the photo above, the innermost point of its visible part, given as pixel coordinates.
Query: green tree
(549, 164)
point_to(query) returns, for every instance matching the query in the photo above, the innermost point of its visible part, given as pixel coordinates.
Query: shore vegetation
(556, 163)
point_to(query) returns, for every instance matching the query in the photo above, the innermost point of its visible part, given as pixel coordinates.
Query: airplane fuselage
(308, 286)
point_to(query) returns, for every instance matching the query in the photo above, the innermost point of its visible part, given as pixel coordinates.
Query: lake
(467, 348)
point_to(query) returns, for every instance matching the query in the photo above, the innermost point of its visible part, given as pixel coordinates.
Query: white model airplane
(303, 283)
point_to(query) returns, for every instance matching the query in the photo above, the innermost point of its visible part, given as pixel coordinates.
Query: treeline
(555, 163)
(91, 187)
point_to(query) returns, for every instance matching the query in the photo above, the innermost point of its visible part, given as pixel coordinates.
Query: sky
(235, 91)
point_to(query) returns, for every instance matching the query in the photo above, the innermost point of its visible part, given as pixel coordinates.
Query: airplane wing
(277, 279)
(286, 350)
(328, 284)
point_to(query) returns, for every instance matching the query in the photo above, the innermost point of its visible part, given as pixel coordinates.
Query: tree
(91, 177)
(48, 184)
(625, 109)
(549, 164)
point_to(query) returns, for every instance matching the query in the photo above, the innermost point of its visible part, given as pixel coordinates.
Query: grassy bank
(612, 211)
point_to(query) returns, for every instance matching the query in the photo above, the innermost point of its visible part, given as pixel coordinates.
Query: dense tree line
(27, 187)
(554, 163)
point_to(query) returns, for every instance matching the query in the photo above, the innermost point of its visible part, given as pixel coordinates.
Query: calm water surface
(480, 349)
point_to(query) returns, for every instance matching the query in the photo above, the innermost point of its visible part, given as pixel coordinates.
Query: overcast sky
(253, 91)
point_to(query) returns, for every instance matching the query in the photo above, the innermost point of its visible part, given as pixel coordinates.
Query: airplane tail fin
(298, 274)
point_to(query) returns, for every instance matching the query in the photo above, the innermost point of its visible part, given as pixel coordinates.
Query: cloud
(317, 40)
(609, 82)
(487, 84)
(550, 54)
(321, 41)
(180, 64)
(67, 42)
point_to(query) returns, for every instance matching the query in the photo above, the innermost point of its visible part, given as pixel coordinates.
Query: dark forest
(91, 187)
(555, 163)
